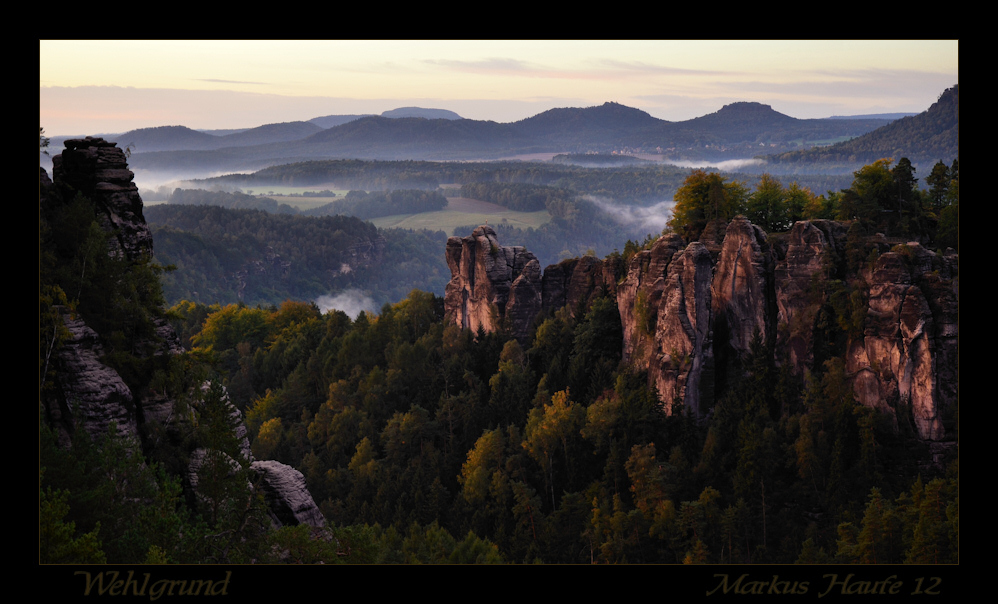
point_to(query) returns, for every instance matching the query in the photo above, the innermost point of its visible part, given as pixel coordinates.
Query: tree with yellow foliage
(703, 197)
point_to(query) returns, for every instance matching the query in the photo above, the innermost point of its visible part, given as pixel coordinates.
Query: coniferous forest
(423, 442)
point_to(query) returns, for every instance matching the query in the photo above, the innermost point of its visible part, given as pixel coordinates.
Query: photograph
(682, 304)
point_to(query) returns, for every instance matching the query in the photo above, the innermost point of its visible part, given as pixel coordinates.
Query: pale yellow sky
(113, 86)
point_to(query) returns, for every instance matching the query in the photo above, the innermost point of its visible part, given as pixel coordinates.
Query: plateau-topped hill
(930, 136)
(743, 115)
(430, 114)
(690, 310)
(756, 123)
(589, 123)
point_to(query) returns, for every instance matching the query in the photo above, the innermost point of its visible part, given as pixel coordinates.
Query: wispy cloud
(593, 70)
(218, 81)
(642, 68)
(492, 66)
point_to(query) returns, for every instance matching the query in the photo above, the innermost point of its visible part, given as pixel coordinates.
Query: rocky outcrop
(99, 170)
(689, 312)
(90, 395)
(811, 255)
(639, 297)
(577, 281)
(686, 309)
(742, 295)
(287, 496)
(492, 284)
(906, 358)
(288, 500)
(683, 352)
(284, 488)
(525, 300)
(483, 274)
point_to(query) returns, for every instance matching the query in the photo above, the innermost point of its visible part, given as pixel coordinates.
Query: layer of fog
(728, 165)
(641, 220)
(350, 301)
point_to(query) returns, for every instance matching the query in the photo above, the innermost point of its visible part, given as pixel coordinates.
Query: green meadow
(462, 212)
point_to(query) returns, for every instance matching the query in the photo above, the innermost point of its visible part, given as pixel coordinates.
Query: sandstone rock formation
(491, 283)
(482, 275)
(577, 281)
(639, 297)
(288, 500)
(99, 170)
(811, 254)
(88, 394)
(742, 294)
(683, 350)
(904, 358)
(689, 312)
(287, 496)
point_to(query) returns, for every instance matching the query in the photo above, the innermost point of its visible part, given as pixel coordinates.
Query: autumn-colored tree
(798, 199)
(549, 433)
(705, 196)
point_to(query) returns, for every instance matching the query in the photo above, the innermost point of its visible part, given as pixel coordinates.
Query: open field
(462, 211)
(305, 203)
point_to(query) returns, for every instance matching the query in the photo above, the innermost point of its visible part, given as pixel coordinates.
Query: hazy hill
(270, 133)
(927, 137)
(166, 138)
(736, 131)
(430, 114)
(330, 121)
(398, 138)
(755, 122)
(225, 255)
(873, 116)
(590, 123)
(182, 138)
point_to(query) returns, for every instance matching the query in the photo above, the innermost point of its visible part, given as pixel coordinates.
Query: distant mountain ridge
(736, 131)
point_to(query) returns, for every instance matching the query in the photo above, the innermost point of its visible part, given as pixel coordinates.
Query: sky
(111, 86)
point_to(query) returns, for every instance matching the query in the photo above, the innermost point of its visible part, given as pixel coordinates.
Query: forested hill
(574, 124)
(930, 136)
(227, 255)
(654, 182)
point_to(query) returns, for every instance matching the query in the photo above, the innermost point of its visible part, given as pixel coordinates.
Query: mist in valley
(350, 301)
(638, 220)
(728, 165)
